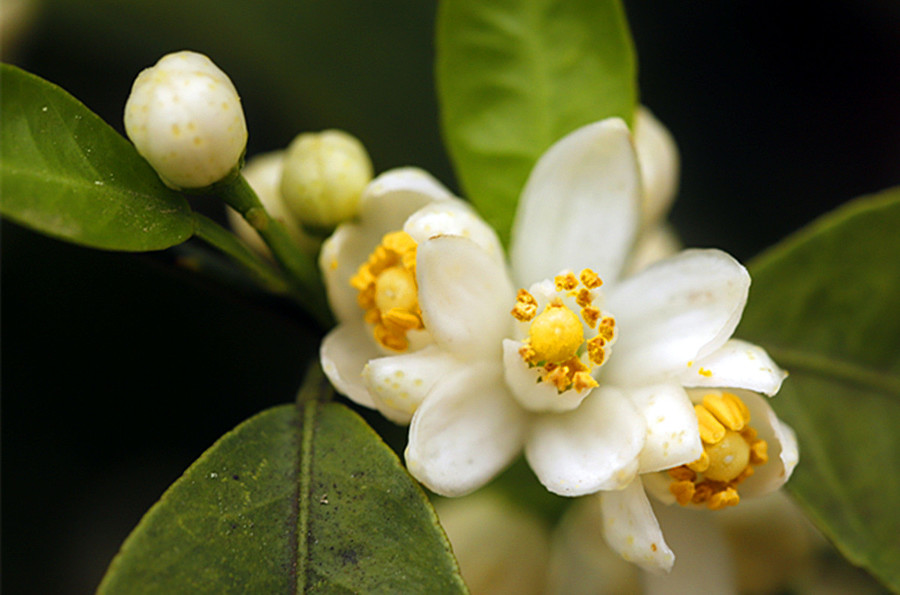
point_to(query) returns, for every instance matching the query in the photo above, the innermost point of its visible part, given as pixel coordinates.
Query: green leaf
(825, 305)
(68, 174)
(514, 77)
(298, 499)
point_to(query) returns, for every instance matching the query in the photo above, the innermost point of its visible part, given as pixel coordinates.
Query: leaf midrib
(877, 381)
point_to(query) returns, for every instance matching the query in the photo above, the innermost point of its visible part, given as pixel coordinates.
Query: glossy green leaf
(68, 174)
(298, 499)
(515, 76)
(825, 305)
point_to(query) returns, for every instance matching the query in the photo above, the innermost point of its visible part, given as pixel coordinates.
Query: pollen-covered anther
(590, 279)
(525, 308)
(565, 282)
(730, 450)
(388, 292)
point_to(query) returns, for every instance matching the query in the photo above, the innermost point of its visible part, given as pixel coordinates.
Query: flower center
(730, 451)
(388, 291)
(556, 337)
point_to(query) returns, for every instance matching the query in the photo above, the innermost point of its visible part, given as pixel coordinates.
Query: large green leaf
(825, 304)
(298, 499)
(514, 76)
(67, 174)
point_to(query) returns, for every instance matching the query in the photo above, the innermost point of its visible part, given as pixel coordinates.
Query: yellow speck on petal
(704, 372)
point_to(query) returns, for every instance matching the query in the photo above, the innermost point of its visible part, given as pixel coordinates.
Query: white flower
(184, 116)
(324, 176)
(369, 272)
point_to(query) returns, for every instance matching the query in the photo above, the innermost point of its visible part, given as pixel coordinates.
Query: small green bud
(184, 116)
(323, 177)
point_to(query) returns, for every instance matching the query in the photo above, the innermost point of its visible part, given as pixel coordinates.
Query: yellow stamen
(556, 337)
(388, 292)
(730, 451)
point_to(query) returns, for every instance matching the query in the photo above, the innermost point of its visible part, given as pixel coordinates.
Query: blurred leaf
(514, 77)
(298, 499)
(67, 174)
(825, 305)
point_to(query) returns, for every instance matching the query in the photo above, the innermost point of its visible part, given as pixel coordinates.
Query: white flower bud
(324, 176)
(184, 116)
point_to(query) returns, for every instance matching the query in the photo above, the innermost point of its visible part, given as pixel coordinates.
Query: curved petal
(395, 195)
(705, 558)
(398, 383)
(592, 448)
(673, 438)
(340, 258)
(657, 155)
(580, 207)
(736, 364)
(783, 450)
(631, 528)
(465, 432)
(343, 353)
(525, 385)
(673, 313)
(465, 296)
(453, 218)
(654, 244)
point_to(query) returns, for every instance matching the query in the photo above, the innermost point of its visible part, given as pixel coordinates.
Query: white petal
(580, 207)
(653, 244)
(343, 353)
(736, 364)
(465, 296)
(453, 218)
(341, 256)
(658, 158)
(395, 195)
(398, 383)
(465, 432)
(704, 562)
(524, 385)
(594, 447)
(783, 450)
(673, 313)
(673, 438)
(630, 528)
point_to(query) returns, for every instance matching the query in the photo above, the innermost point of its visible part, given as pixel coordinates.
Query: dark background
(118, 370)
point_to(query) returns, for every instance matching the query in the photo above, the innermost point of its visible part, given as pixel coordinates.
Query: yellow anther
(711, 431)
(590, 279)
(607, 328)
(727, 457)
(738, 404)
(584, 298)
(682, 474)
(722, 499)
(597, 350)
(583, 380)
(701, 464)
(727, 411)
(388, 292)
(683, 491)
(525, 308)
(590, 315)
(565, 282)
(759, 452)
(555, 334)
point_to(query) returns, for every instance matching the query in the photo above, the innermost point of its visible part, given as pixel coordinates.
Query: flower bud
(324, 176)
(184, 116)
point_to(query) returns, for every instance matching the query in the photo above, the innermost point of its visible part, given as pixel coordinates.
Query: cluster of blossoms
(597, 349)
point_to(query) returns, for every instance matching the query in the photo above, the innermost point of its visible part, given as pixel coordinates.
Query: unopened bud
(184, 116)
(324, 176)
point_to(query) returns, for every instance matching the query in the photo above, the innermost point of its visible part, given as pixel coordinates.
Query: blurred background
(119, 370)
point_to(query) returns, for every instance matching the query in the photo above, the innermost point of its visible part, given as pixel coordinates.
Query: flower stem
(300, 267)
(226, 242)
